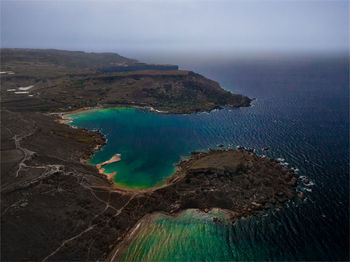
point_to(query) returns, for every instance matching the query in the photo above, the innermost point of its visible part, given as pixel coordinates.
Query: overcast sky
(191, 25)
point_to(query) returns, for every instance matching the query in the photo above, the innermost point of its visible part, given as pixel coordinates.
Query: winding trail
(27, 153)
(91, 227)
(65, 242)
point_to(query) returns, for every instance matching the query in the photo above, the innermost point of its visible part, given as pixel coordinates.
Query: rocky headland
(64, 81)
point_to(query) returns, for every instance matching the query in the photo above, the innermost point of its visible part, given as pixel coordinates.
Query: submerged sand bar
(113, 159)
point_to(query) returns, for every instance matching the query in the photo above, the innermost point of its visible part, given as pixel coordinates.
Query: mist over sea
(301, 113)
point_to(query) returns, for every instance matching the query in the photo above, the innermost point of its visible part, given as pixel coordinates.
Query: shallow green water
(162, 239)
(194, 236)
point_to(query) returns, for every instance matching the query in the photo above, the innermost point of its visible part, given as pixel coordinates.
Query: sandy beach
(80, 110)
(113, 159)
(130, 236)
(64, 119)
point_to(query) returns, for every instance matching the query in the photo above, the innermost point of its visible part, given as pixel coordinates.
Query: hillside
(65, 80)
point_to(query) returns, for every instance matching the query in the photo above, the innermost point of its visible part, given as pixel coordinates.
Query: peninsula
(57, 207)
(65, 81)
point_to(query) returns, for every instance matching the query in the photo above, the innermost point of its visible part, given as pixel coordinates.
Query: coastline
(64, 119)
(64, 114)
(149, 108)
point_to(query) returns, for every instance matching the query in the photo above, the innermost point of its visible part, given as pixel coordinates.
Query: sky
(177, 25)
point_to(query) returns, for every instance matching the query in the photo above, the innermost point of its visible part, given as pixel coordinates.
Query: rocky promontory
(241, 182)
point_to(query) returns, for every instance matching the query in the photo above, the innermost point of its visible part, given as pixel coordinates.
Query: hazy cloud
(203, 26)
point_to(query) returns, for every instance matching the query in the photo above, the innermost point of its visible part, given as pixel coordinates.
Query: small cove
(150, 143)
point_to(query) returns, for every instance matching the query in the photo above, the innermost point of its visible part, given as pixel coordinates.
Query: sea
(300, 113)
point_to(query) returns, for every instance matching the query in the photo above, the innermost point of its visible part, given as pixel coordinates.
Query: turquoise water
(301, 114)
(150, 144)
